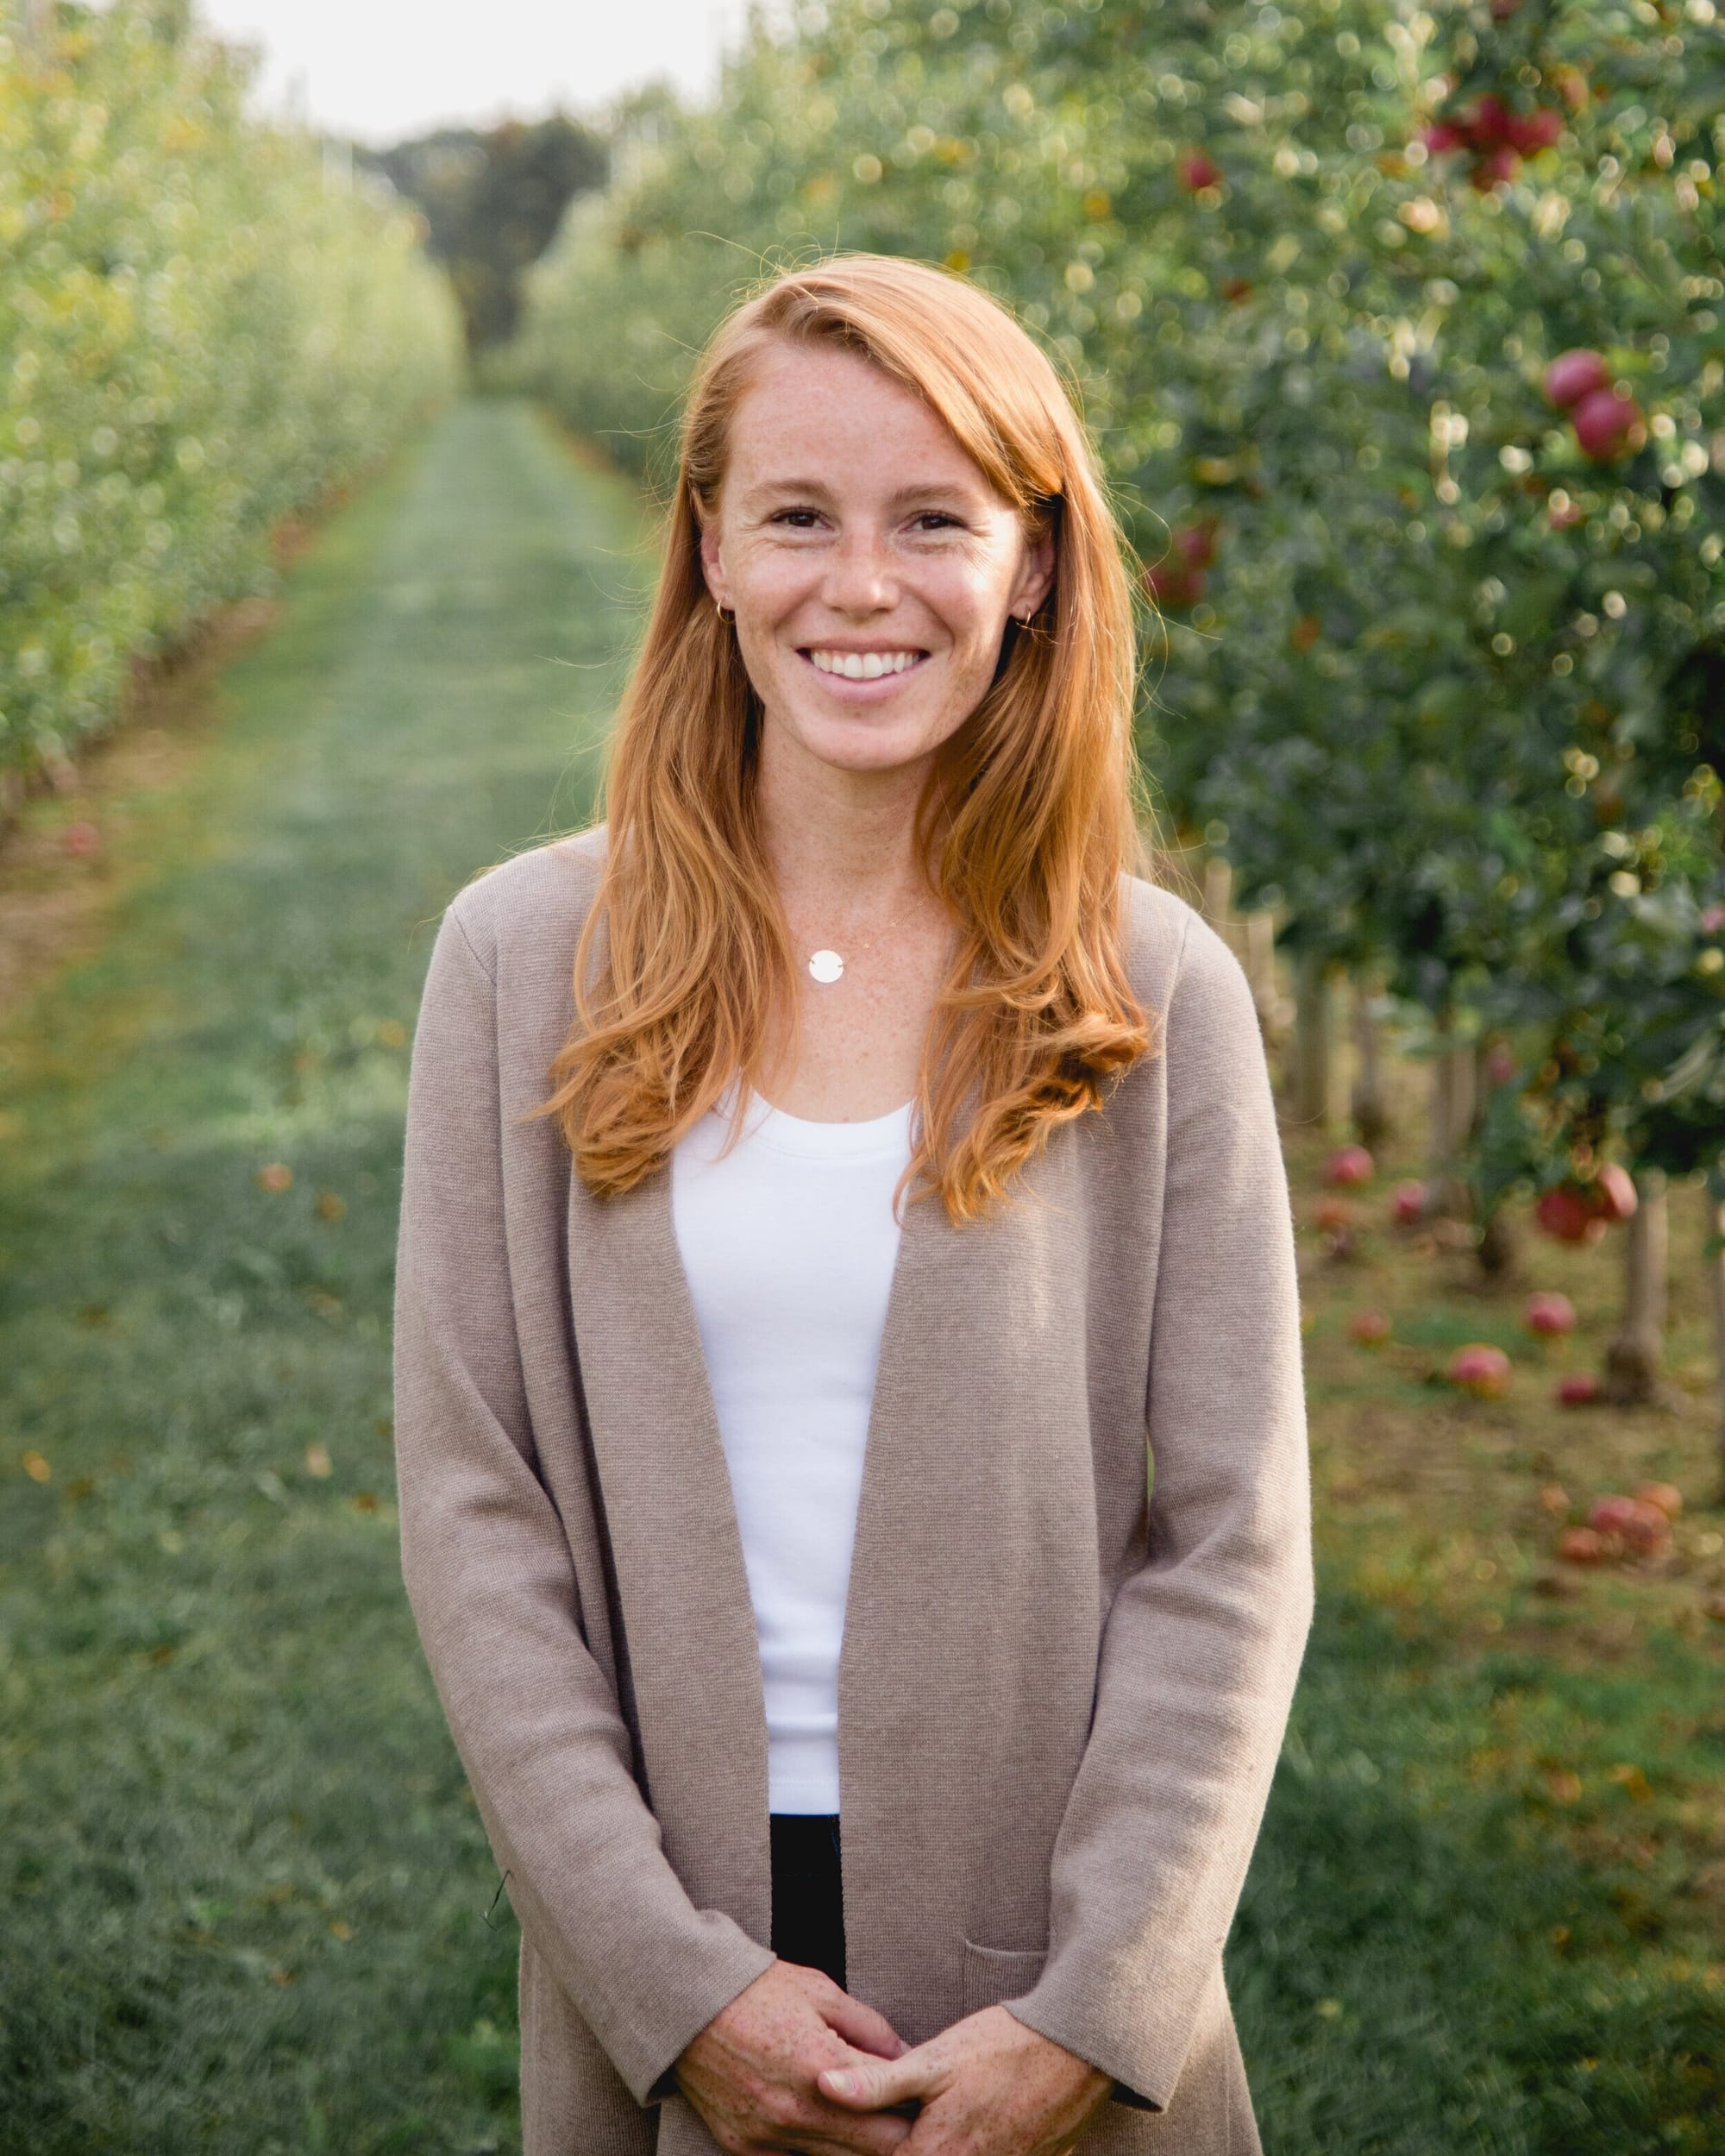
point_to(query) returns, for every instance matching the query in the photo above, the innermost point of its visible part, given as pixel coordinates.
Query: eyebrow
(905, 495)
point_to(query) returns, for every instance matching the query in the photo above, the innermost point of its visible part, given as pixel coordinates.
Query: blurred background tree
(492, 199)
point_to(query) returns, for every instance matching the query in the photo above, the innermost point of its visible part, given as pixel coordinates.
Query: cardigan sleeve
(493, 1588)
(1202, 1646)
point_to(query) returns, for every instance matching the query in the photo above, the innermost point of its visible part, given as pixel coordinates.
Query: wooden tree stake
(1313, 1062)
(1632, 1361)
(1453, 1104)
(1714, 1260)
(1370, 1109)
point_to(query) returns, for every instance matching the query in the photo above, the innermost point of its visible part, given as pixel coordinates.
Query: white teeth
(863, 666)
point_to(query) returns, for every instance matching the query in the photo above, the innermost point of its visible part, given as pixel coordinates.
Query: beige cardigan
(1060, 1705)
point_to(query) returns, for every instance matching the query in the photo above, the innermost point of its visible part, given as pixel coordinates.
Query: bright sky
(379, 69)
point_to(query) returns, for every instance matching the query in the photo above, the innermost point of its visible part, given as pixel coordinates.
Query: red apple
(1481, 1369)
(1490, 122)
(1493, 167)
(1408, 1207)
(1196, 543)
(1550, 1314)
(1370, 1328)
(1532, 132)
(1195, 172)
(1640, 1527)
(1665, 1496)
(1646, 1529)
(1614, 1192)
(275, 1175)
(1607, 424)
(1349, 1167)
(81, 839)
(1583, 1546)
(1443, 135)
(1573, 376)
(1169, 584)
(1564, 1211)
(1581, 1390)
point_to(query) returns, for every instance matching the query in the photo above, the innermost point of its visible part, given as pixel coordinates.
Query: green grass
(245, 1888)
(246, 1892)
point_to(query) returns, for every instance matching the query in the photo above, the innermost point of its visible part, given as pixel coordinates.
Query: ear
(1035, 578)
(712, 568)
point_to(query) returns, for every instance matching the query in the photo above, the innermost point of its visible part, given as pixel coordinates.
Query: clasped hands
(794, 2066)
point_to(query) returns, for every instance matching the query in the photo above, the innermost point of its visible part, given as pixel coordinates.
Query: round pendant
(825, 966)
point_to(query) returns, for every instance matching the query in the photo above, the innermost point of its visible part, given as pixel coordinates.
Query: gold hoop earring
(720, 611)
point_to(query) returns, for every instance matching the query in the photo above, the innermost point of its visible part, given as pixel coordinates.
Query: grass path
(244, 1885)
(245, 1890)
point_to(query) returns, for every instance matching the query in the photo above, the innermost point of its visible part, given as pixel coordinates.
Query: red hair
(1027, 823)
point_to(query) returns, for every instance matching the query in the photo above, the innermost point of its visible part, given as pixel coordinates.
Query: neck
(841, 843)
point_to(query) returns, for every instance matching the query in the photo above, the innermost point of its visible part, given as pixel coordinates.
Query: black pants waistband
(808, 1894)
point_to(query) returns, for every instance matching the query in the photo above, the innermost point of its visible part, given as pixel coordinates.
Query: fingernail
(842, 2083)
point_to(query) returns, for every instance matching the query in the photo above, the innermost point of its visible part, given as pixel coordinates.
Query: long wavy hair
(1027, 824)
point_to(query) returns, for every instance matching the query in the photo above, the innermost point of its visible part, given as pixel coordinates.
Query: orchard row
(205, 326)
(1399, 330)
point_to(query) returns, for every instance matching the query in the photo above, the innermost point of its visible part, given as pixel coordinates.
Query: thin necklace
(827, 966)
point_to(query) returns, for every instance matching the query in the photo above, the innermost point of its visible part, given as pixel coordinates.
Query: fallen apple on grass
(1639, 1526)
(1333, 1215)
(1665, 1496)
(1370, 1328)
(1581, 1389)
(1349, 1167)
(1549, 1315)
(1583, 1546)
(1407, 1206)
(1481, 1369)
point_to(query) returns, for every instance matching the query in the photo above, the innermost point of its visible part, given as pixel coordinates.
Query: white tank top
(788, 1244)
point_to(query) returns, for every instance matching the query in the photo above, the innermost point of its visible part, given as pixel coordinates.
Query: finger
(876, 2135)
(861, 2026)
(870, 2085)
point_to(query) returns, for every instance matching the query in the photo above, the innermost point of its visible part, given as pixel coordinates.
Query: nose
(859, 574)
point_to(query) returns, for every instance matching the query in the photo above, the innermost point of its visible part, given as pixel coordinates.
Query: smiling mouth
(863, 666)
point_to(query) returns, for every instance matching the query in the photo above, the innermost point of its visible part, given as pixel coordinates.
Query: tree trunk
(1313, 1062)
(1714, 1260)
(1260, 971)
(1496, 1249)
(1632, 1361)
(1370, 1112)
(1453, 1098)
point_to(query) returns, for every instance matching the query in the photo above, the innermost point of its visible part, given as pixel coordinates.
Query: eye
(938, 519)
(796, 520)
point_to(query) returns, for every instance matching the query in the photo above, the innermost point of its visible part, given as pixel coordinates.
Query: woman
(823, 1184)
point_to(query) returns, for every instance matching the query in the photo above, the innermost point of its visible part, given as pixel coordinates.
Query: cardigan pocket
(994, 1974)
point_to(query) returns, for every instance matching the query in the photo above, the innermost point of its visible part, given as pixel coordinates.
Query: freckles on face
(871, 565)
